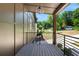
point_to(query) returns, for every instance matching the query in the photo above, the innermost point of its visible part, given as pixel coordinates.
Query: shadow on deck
(41, 48)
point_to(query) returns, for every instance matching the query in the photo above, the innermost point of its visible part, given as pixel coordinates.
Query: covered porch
(18, 29)
(42, 48)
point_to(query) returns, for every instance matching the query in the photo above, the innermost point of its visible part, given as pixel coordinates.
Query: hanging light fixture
(39, 9)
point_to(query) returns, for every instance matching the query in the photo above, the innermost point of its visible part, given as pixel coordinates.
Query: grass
(76, 28)
(49, 35)
(69, 32)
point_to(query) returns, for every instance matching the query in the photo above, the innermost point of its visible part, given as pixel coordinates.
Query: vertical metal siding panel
(29, 25)
(19, 26)
(6, 29)
(25, 28)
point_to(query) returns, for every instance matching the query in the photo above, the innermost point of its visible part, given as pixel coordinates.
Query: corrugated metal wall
(30, 28)
(14, 26)
(18, 26)
(6, 29)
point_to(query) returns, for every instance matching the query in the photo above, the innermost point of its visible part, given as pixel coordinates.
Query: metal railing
(70, 44)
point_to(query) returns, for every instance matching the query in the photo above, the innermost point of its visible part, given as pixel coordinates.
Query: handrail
(68, 36)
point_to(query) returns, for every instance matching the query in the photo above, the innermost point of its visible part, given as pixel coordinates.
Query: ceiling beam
(39, 5)
(59, 7)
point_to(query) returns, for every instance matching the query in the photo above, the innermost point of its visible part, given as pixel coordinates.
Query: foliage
(39, 28)
(76, 17)
(76, 22)
(66, 18)
(68, 51)
(41, 25)
(76, 28)
(60, 22)
(59, 45)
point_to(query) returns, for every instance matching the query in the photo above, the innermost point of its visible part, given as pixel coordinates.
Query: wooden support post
(54, 22)
(54, 29)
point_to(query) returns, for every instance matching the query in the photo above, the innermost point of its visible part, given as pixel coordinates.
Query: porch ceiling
(44, 7)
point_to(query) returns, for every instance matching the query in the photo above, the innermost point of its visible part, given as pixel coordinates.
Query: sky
(41, 17)
(71, 7)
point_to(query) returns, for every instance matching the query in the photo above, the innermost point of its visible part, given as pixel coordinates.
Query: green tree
(50, 20)
(68, 16)
(47, 24)
(76, 17)
(64, 19)
(59, 22)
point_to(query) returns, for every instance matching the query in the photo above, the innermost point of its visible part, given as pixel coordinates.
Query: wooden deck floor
(41, 48)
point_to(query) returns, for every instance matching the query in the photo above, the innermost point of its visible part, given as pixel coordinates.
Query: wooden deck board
(59, 51)
(48, 52)
(42, 49)
(45, 50)
(51, 51)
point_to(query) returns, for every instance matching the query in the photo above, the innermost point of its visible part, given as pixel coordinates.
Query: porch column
(54, 29)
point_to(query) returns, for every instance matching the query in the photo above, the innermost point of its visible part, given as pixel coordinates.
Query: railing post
(54, 29)
(64, 45)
